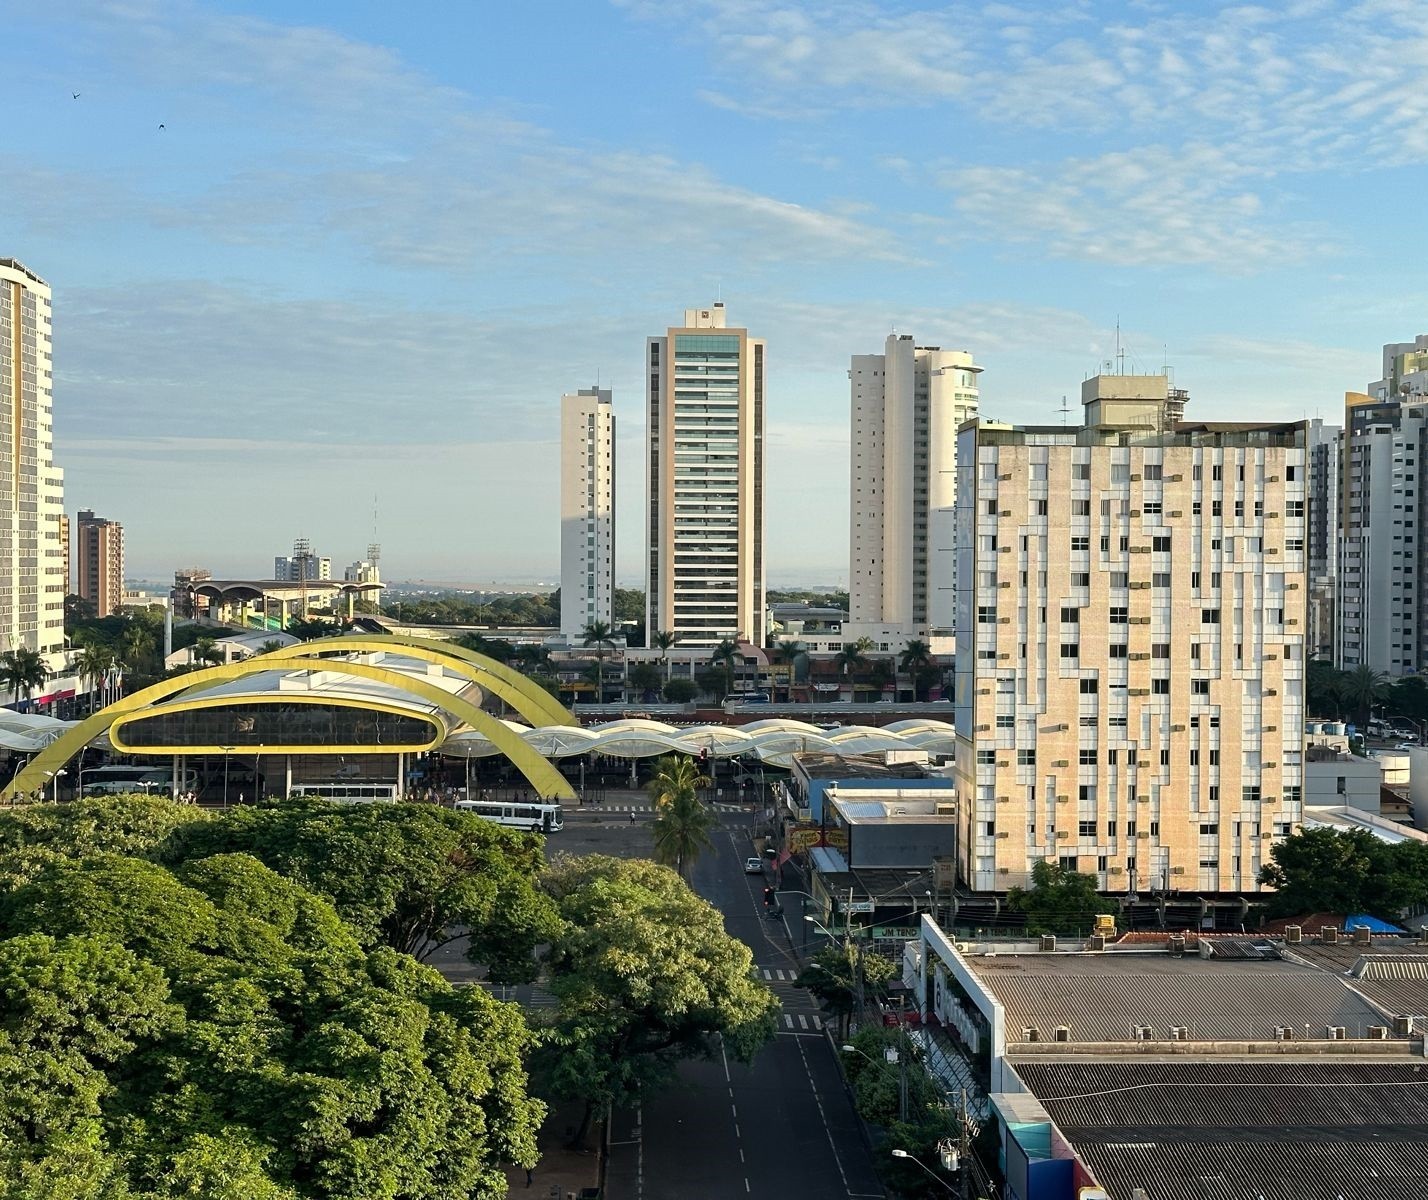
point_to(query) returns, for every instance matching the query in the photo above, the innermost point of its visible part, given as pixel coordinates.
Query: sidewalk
(561, 1171)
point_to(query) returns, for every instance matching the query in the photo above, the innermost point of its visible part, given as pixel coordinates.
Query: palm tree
(681, 825)
(915, 658)
(1361, 689)
(92, 664)
(599, 635)
(724, 655)
(675, 778)
(664, 641)
(786, 654)
(21, 672)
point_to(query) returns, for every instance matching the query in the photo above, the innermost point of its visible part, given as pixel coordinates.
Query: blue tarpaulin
(1374, 924)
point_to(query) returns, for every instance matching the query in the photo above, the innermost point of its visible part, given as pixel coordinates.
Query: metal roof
(1103, 997)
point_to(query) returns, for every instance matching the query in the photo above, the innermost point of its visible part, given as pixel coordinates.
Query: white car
(752, 866)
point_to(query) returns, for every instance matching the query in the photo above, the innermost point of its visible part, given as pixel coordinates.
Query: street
(783, 1127)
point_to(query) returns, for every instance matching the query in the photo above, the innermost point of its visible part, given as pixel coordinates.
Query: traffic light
(768, 895)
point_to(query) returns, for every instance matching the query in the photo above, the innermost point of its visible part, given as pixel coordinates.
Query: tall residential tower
(705, 480)
(906, 406)
(587, 511)
(99, 562)
(1130, 644)
(33, 572)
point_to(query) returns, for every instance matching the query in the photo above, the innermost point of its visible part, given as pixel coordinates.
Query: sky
(326, 269)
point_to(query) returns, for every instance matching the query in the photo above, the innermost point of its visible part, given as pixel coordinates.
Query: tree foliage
(207, 1027)
(1325, 870)
(1059, 901)
(644, 976)
(410, 876)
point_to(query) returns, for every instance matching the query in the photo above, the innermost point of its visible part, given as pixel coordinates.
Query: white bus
(349, 793)
(536, 816)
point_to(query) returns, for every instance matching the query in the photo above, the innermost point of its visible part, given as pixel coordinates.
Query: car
(753, 866)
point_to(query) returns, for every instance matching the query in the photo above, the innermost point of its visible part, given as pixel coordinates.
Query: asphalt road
(781, 1127)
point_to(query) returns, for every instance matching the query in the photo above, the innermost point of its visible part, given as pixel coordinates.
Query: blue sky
(374, 243)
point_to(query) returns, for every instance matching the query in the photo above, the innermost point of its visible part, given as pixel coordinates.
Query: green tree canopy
(1059, 901)
(220, 1032)
(644, 976)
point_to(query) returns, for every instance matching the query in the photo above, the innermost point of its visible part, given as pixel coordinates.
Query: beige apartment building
(1130, 646)
(32, 565)
(99, 562)
(705, 480)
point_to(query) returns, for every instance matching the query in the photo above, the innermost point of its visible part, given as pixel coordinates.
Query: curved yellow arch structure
(541, 775)
(529, 699)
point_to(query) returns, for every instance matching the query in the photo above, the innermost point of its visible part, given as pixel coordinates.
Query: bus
(349, 793)
(112, 781)
(537, 816)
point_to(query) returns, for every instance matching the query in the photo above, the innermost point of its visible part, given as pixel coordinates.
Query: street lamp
(926, 1168)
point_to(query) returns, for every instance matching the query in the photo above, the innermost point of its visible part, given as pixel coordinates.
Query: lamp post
(925, 1167)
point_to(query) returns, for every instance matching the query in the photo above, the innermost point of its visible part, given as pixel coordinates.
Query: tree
(680, 691)
(93, 664)
(644, 975)
(915, 658)
(681, 832)
(675, 778)
(646, 679)
(787, 654)
(1059, 901)
(21, 672)
(221, 1033)
(664, 642)
(1361, 689)
(413, 877)
(725, 655)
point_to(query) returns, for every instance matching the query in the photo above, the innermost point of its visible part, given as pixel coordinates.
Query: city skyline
(325, 200)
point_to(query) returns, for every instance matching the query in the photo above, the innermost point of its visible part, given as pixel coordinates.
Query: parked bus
(537, 816)
(112, 781)
(350, 793)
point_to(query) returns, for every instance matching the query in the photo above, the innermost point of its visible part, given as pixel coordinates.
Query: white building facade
(1130, 651)
(907, 404)
(33, 567)
(705, 481)
(587, 511)
(1381, 571)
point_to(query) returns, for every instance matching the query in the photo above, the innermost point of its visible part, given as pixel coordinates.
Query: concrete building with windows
(1130, 649)
(1381, 572)
(33, 570)
(587, 510)
(907, 404)
(99, 562)
(705, 481)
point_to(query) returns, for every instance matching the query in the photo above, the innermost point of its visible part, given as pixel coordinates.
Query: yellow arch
(529, 699)
(541, 775)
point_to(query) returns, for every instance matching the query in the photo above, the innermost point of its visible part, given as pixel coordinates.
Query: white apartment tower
(907, 404)
(1130, 644)
(33, 570)
(705, 460)
(1382, 575)
(587, 511)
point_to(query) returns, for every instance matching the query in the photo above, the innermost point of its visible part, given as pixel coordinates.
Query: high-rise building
(907, 404)
(1322, 536)
(587, 510)
(1130, 644)
(301, 564)
(705, 479)
(1382, 574)
(32, 567)
(99, 562)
